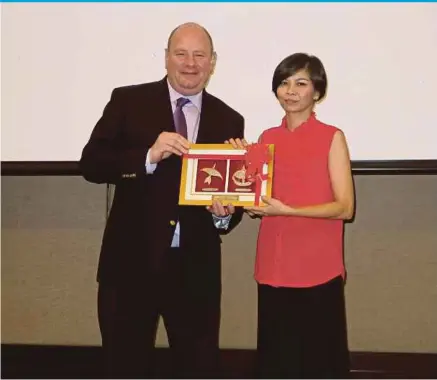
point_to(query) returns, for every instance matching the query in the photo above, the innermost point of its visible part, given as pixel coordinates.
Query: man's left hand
(219, 210)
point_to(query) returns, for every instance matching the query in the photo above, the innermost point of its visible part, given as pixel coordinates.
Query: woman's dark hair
(299, 61)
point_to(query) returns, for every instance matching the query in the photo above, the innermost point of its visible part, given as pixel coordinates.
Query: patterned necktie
(179, 117)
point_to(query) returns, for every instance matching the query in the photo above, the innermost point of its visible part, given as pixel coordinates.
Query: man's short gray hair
(190, 24)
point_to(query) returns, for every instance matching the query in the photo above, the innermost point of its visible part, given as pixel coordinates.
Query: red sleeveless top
(295, 251)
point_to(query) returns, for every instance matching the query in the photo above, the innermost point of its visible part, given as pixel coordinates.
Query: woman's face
(296, 93)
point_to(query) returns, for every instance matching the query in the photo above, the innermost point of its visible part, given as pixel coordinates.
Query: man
(159, 258)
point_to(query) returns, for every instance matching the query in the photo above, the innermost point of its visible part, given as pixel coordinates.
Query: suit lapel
(207, 122)
(162, 107)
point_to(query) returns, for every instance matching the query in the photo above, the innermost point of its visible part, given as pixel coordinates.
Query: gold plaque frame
(209, 173)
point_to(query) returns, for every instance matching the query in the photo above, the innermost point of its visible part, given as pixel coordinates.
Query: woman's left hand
(274, 207)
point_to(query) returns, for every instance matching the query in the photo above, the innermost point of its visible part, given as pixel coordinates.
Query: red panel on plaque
(211, 175)
(238, 182)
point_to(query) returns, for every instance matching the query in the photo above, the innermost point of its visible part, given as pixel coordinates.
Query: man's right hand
(166, 144)
(237, 143)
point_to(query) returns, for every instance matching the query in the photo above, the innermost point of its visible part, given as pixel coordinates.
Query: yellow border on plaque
(223, 198)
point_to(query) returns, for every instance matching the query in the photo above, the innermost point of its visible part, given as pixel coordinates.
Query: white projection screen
(60, 62)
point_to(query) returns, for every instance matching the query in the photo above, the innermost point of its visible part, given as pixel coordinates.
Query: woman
(299, 267)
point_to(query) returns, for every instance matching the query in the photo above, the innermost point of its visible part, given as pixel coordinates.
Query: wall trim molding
(71, 168)
(50, 361)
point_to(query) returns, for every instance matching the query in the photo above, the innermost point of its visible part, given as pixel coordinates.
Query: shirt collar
(196, 99)
(310, 121)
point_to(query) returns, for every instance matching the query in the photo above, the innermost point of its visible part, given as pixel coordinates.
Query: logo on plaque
(210, 176)
(212, 172)
(240, 179)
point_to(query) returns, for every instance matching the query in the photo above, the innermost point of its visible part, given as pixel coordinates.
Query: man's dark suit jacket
(142, 219)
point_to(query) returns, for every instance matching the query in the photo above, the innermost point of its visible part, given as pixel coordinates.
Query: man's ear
(166, 58)
(213, 62)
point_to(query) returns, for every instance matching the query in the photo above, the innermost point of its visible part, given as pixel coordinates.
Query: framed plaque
(220, 172)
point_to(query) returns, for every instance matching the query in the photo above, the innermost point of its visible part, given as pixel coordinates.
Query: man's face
(189, 60)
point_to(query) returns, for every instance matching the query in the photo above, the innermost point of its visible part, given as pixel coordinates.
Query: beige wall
(51, 231)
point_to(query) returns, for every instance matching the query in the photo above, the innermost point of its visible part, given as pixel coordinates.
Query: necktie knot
(181, 102)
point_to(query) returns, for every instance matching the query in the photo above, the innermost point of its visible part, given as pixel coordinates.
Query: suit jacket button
(172, 222)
